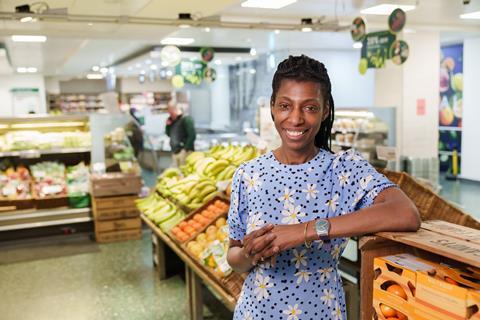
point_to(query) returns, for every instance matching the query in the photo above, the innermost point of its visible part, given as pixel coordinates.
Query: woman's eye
(312, 108)
(283, 106)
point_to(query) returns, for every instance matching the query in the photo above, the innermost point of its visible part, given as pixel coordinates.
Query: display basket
(234, 283)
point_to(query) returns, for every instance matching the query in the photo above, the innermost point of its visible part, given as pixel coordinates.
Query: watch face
(321, 227)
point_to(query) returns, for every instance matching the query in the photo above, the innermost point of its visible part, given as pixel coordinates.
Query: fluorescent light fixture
(386, 8)
(267, 4)
(94, 76)
(96, 68)
(90, 24)
(253, 52)
(357, 45)
(103, 69)
(207, 29)
(23, 38)
(31, 69)
(471, 15)
(26, 69)
(27, 19)
(277, 31)
(177, 41)
(306, 29)
(47, 125)
(22, 70)
(252, 71)
(3, 126)
(218, 62)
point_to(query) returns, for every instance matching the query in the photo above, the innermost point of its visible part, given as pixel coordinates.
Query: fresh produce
(49, 179)
(387, 311)
(28, 140)
(186, 229)
(15, 184)
(397, 290)
(161, 211)
(78, 180)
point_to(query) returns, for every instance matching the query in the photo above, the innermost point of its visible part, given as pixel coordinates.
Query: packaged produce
(49, 179)
(78, 185)
(15, 184)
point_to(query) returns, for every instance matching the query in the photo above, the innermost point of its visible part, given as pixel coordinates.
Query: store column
(413, 89)
(220, 98)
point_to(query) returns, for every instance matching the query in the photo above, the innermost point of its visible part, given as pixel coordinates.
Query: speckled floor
(463, 193)
(118, 282)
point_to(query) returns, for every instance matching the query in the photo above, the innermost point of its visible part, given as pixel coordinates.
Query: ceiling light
(386, 9)
(90, 24)
(238, 58)
(31, 69)
(23, 38)
(177, 41)
(96, 68)
(169, 73)
(277, 31)
(267, 4)
(471, 15)
(153, 67)
(164, 64)
(207, 29)
(184, 26)
(252, 71)
(307, 24)
(47, 125)
(27, 19)
(253, 52)
(357, 45)
(104, 70)
(94, 76)
(218, 62)
(185, 18)
(22, 70)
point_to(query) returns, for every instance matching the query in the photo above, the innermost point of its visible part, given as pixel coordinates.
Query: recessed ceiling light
(153, 67)
(22, 70)
(177, 41)
(306, 29)
(104, 70)
(277, 31)
(386, 9)
(184, 26)
(357, 45)
(24, 38)
(267, 4)
(26, 19)
(253, 52)
(96, 68)
(31, 69)
(471, 15)
(207, 29)
(94, 76)
(218, 62)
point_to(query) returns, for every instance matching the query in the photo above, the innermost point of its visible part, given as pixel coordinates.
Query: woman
(293, 209)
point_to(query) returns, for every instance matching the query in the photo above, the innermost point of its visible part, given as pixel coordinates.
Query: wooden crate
(119, 224)
(115, 184)
(21, 204)
(121, 235)
(110, 208)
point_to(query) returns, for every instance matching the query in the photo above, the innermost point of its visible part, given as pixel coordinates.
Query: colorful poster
(450, 108)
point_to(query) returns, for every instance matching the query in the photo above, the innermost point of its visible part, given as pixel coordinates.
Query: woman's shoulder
(255, 164)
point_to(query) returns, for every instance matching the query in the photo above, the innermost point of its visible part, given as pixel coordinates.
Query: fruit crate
(18, 204)
(115, 184)
(109, 208)
(234, 283)
(203, 227)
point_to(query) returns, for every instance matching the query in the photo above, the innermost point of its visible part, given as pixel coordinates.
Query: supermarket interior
(123, 125)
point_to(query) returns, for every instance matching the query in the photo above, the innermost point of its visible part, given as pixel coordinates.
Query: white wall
(220, 99)
(52, 85)
(470, 168)
(19, 81)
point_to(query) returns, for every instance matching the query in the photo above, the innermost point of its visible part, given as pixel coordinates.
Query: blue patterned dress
(304, 284)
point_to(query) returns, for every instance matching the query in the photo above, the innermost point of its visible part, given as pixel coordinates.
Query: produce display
(186, 229)
(160, 211)
(15, 184)
(49, 179)
(78, 180)
(36, 140)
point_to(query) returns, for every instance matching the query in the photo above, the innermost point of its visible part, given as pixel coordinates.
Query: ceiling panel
(171, 9)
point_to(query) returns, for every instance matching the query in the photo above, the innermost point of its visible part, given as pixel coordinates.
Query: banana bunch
(236, 155)
(190, 162)
(161, 211)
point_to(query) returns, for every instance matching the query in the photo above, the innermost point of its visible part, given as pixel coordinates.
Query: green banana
(207, 190)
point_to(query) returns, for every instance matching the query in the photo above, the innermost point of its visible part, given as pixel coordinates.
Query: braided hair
(303, 68)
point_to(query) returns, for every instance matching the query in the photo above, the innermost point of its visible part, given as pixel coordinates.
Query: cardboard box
(122, 235)
(120, 224)
(452, 230)
(401, 270)
(114, 184)
(115, 208)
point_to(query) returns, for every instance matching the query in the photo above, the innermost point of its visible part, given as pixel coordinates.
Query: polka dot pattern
(304, 284)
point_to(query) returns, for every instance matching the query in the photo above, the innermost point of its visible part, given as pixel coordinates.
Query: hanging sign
(358, 29)
(376, 48)
(191, 71)
(207, 54)
(171, 55)
(399, 52)
(396, 20)
(209, 74)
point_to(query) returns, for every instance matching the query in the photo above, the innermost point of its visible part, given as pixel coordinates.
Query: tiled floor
(117, 282)
(463, 193)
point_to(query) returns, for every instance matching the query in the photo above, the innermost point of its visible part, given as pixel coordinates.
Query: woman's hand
(258, 240)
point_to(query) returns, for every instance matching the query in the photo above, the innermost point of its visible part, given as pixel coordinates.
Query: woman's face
(298, 111)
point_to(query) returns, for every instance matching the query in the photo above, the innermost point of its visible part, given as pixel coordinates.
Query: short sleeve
(364, 181)
(237, 214)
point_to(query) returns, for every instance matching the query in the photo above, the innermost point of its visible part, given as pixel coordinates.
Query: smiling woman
(289, 229)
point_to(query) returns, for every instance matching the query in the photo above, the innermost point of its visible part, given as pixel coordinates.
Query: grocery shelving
(38, 153)
(74, 103)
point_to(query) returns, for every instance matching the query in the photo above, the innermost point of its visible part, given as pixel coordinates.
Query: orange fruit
(393, 318)
(176, 230)
(451, 281)
(196, 225)
(197, 217)
(397, 290)
(182, 224)
(387, 311)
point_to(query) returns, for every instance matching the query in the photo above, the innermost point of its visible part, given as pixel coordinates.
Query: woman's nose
(296, 116)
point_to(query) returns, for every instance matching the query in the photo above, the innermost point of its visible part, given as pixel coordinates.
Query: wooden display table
(195, 274)
(435, 239)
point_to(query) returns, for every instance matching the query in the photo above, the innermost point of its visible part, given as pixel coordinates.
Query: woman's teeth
(294, 133)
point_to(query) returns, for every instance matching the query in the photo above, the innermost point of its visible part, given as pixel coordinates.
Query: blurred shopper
(181, 130)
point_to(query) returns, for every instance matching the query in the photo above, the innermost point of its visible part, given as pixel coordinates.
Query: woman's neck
(287, 156)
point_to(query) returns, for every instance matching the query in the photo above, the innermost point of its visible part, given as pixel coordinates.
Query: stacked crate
(116, 216)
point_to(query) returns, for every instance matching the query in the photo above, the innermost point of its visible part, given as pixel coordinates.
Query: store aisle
(115, 282)
(463, 193)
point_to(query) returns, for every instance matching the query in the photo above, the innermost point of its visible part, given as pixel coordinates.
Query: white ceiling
(73, 47)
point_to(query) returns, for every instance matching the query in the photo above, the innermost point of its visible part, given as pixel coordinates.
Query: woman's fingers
(268, 252)
(259, 244)
(254, 240)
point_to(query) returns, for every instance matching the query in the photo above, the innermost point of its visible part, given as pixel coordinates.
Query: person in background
(181, 130)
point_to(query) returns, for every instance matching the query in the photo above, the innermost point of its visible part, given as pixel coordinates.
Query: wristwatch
(322, 228)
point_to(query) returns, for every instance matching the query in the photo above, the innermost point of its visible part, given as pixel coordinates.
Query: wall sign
(25, 101)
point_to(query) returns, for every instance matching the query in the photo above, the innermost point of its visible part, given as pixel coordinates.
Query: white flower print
(291, 213)
(261, 267)
(311, 191)
(253, 182)
(336, 161)
(254, 222)
(287, 196)
(262, 284)
(303, 275)
(292, 312)
(325, 273)
(344, 178)
(300, 258)
(320, 244)
(327, 297)
(365, 181)
(332, 203)
(358, 197)
(248, 316)
(353, 156)
(336, 251)
(337, 312)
